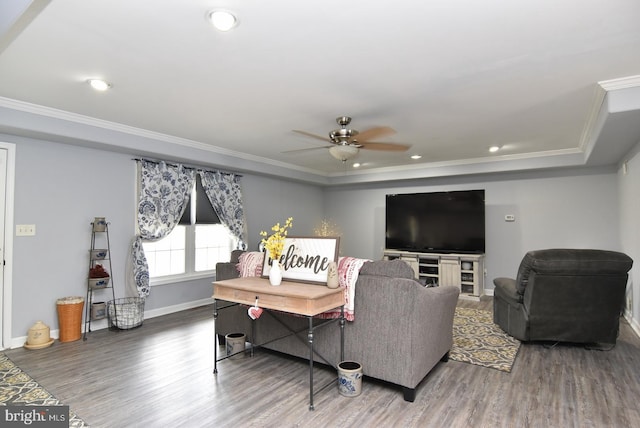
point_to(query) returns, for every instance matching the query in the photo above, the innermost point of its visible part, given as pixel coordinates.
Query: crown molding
(502, 163)
(79, 119)
(621, 83)
(599, 110)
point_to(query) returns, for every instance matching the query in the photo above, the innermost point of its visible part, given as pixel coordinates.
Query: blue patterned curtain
(163, 194)
(225, 195)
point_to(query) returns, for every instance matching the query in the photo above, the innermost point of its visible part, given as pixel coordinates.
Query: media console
(465, 271)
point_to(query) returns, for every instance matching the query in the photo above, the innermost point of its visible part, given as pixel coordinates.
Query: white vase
(275, 273)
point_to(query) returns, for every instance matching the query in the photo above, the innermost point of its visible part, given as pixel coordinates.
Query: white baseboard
(177, 308)
(18, 342)
(635, 326)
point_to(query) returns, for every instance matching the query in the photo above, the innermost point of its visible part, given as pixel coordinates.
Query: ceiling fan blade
(388, 147)
(308, 134)
(373, 133)
(307, 149)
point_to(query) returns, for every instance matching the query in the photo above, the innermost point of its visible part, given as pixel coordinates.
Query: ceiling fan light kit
(343, 152)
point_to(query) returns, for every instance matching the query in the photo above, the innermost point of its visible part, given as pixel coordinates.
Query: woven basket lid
(71, 300)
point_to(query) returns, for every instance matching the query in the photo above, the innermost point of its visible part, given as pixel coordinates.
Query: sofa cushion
(389, 268)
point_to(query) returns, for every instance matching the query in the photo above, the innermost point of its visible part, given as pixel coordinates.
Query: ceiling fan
(346, 143)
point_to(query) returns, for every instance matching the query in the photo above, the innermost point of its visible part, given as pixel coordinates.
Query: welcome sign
(305, 259)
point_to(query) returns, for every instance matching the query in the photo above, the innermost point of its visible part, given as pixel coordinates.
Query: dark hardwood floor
(160, 375)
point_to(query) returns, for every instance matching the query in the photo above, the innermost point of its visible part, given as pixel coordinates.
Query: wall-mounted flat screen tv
(442, 222)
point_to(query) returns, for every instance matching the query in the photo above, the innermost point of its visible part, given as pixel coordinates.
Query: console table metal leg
(253, 334)
(310, 337)
(342, 333)
(215, 337)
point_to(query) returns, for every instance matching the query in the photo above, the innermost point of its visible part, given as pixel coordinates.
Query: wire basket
(125, 313)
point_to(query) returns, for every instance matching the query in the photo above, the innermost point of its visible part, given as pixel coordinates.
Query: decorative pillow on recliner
(250, 263)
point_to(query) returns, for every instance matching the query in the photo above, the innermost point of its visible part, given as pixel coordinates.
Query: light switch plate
(25, 230)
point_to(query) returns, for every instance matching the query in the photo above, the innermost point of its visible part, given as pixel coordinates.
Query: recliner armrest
(506, 287)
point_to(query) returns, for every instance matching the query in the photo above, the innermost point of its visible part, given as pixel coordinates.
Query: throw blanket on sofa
(250, 264)
(348, 270)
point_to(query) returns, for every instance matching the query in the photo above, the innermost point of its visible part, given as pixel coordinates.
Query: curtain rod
(197, 168)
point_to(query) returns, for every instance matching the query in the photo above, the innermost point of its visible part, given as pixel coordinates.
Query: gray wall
(629, 185)
(61, 188)
(268, 201)
(576, 208)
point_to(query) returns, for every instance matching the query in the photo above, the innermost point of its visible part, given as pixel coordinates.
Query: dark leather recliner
(564, 295)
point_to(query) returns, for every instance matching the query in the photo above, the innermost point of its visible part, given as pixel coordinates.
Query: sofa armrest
(402, 329)
(432, 323)
(232, 319)
(226, 270)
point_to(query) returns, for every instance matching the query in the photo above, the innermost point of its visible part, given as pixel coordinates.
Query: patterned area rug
(477, 340)
(18, 388)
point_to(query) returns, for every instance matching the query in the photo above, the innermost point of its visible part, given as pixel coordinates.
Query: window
(168, 255)
(194, 246)
(213, 244)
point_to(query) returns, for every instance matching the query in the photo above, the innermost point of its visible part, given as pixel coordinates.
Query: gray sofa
(400, 332)
(564, 295)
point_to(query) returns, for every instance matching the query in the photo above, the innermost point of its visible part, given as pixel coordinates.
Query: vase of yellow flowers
(274, 244)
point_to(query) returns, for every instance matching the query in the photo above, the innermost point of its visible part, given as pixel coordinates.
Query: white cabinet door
(450, 272)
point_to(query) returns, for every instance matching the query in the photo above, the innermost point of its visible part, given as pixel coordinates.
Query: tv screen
(447, 222)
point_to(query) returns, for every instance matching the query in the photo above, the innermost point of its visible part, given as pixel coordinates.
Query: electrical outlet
(629, 303)
(25, 230)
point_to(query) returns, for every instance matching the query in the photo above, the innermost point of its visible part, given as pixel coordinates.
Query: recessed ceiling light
(416, 157)
(223, 20)
(99, 85)
(494, 149)
(356, 165)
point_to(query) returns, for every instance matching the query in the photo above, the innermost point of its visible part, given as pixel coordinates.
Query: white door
(7, 184)
(3, 194)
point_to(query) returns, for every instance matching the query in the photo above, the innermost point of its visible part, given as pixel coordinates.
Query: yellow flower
(275, 243)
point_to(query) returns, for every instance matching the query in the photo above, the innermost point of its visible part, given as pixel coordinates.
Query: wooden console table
(296, 298)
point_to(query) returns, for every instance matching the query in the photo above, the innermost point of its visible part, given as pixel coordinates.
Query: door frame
(6, 289)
